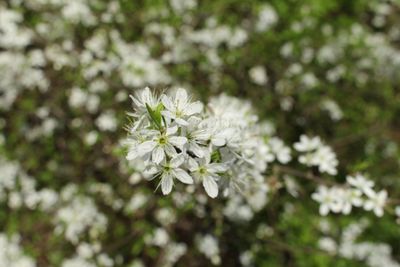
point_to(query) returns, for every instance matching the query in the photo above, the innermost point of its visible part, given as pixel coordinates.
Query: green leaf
(155, 115)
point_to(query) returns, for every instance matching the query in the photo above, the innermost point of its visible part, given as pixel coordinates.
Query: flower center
(178, 113)
(162, 140)
(202, 171)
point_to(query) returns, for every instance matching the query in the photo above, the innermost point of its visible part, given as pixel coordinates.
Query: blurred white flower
(208, 245)
(267, 17)
(258, 75)
(362, 183)
(376, 202)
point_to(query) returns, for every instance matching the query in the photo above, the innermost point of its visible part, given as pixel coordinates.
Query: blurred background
(68, 196)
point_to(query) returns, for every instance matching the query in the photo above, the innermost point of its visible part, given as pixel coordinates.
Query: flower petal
(158, 155)
(181, 121)
(218, 141)
(178, 141)
(132, 154)
(196, 149)
(166, 101)
(210, 186)
(181, 97)
(183, 176)
(216, 167)
(170, 150)
(172, 130)
(177, 161)
(146, 147)
(192, 164)
(166, 184)
(194, 108)
(167, 113)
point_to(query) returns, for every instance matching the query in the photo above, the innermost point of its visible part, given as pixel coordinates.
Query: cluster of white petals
(78, 215)
(221, 145)
(315, 153)
(358, 192)
(11, 254)
(373, 254)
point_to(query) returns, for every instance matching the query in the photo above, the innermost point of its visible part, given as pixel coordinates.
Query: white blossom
(376, 202)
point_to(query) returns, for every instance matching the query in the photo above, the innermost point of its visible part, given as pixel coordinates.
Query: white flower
(208, 245)
(107, 121)
(328, 200)
(397, 211)
(258, 75)
(326, 160)
(12, 254)
(207, 172)
(143, 99)
(168, 170)
(159, 238)
(282, 152)
(266, 18)
(376, 202)
(162, 144)
(195, 136)
(351, 197)
(317, 154)
(362, 183)
(307, 144)
(77, 216)
(333, 108)
(179, 108)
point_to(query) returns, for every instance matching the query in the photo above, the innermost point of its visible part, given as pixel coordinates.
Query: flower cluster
(315, 153)
(373, 254)
(358, 192)
(78, 215)
(220, 145)
(18, 190)
(11, 253)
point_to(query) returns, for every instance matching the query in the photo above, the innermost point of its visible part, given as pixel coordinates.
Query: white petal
(167, 113)
(170, 150)
(181, 121)
(196, 149)
(136, 102)
(166, 101)
(158, 155)
(193, 165)
(215, 167)
(177, 161)
(132, 154)
(378, 212)
(146, 96)
(218, 141)
(183, 176)
(166, 184)
(150, 172)
(201, 134)
(181, 97)
(194, 108)
(178, 141)
(194, 120)
(210, 186)
(172, 130)
(146, 147)
(368, 205)
(324, 210)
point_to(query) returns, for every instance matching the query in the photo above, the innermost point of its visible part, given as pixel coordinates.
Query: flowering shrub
(267, 133)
